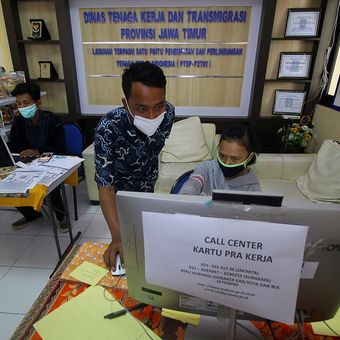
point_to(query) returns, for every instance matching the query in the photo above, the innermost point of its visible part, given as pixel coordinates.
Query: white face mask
(145, 125)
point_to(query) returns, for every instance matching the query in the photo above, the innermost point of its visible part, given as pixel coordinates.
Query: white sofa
(276, 172)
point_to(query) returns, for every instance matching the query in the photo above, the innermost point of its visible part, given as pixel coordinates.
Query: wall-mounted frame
(303, 22)
(47, 70)
(294, 65)
(39, 30)
(288, 102)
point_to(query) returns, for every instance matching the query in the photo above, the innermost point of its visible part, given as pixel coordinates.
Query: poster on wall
(203, 51)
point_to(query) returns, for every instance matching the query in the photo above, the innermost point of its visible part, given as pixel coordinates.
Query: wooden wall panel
(43, 52)
(55, 100)
(180, 91)
(228, 65)
(216, 32)
(210, 74)
(38, 10)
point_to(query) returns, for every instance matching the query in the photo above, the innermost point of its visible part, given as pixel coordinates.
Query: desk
(36, 196)
(59, 290)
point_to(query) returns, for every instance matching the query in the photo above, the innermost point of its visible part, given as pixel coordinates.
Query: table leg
(67, 213)
(53, 223)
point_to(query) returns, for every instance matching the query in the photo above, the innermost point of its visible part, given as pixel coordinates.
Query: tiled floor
(28, 256)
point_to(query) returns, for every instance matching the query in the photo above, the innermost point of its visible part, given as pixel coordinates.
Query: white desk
(47, 210)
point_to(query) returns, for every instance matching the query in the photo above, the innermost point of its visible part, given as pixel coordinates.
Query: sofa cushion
(209, 130)
(322, 181)
(285, 187)
(186, 143)
(169, 172)
(268, 166)
(295, 165)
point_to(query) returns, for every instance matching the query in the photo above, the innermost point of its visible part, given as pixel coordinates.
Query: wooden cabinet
(62, 95)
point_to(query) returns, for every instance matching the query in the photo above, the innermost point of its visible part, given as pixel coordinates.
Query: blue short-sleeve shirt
(124, 156)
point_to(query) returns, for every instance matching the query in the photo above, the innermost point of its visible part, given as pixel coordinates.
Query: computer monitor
(6, 158)
(318, 297)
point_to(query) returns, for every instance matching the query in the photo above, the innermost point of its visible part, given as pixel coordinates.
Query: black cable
(331, 328)
(271, 329)
(248, 330)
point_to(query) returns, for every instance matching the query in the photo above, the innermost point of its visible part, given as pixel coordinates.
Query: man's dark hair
(32, 89)
(143, 72)
(242, 135)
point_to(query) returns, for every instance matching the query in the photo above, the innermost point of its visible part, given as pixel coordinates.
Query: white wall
(5, 56)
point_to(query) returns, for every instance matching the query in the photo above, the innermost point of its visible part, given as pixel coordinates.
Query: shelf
(7, 101)
(47, 42)
(288, 80)
(297, 38)
(48, 80)
(11, 100)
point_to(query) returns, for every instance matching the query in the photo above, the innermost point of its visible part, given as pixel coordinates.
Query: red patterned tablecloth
(62, 288)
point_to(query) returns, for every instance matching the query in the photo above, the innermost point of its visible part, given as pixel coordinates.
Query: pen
(124, 311)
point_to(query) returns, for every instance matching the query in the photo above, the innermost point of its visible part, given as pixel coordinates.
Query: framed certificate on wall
(288, 102)
(303, 22)
(294, 65)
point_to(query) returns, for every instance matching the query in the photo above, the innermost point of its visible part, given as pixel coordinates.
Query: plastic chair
(176, 187)
(74, 140)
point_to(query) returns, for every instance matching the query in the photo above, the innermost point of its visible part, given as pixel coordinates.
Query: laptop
(8, 159)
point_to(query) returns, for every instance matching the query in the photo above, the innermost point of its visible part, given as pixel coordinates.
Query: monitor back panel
(318, 297)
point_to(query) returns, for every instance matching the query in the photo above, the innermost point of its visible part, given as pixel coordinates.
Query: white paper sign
(251, 266)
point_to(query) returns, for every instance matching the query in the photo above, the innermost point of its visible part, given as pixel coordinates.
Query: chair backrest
(74, 139)
(176, 187)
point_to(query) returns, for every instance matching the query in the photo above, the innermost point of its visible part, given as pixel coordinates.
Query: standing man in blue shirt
(128, 141)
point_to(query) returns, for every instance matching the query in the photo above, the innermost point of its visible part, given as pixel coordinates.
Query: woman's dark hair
(32, 89)
(242, 135)
(143, 72)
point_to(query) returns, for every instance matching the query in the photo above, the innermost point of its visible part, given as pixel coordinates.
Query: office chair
(176, 187)
(74, 140)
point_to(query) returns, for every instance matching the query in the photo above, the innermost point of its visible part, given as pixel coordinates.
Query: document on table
(193, 319)
(60, 161)
(83, 318)
(51, 173)
(328, 327)
(89, 273)
(20, 182)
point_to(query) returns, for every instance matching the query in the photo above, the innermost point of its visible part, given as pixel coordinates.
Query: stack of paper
(329, 327)
(193, 319)
(20, 182)
(83, 318)
(58, 161)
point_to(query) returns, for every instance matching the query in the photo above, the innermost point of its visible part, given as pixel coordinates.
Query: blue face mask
(28, 111)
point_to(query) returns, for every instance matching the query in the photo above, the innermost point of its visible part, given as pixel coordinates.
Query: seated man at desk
(34, 132)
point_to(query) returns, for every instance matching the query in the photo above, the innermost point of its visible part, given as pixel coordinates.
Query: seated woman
(236, 151)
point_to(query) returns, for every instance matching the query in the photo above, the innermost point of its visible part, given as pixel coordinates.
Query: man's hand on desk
(29, 153)
(111, 252)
